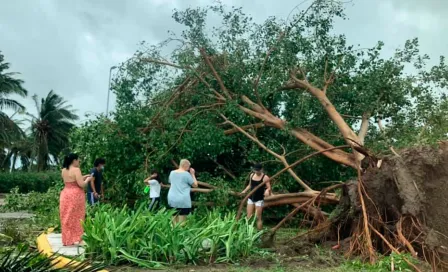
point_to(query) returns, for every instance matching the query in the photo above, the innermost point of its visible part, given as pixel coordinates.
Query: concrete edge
(44, 246)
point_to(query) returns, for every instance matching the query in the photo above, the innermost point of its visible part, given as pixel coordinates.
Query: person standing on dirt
(95, 190)
(256, 200)
(181, 181)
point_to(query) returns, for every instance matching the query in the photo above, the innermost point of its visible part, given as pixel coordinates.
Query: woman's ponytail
(68, 160)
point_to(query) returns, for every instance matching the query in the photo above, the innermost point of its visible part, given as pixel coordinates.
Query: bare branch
(174, 163)
(170, 101)
(252, 126)
(217, 94)
(325, 75)
(215, 74)
(254, 106)
(279, 157)
(364, 127)
(293, 152)
(304, 84)
(330, 80)
(307, 157)
(228, 172)
(161, 62)
(198, 107)
(291, 214)
(284, 150)
(309, 203)
(351, 116)
(199, 76)
(302, 134)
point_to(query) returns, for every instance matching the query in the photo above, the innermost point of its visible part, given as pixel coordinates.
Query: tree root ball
(415, 185)
(406, 202)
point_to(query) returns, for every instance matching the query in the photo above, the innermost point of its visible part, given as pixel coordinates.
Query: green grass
(232, 268)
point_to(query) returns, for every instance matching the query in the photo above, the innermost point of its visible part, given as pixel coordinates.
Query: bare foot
(81, 243)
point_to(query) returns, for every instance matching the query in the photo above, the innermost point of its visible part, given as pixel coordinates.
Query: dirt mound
(414, 184)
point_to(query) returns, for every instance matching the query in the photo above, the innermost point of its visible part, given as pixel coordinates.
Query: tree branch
(198, 107)
(170, 101)
(228, 172)
(174, 163)
(364, 127)
(199, 76)
(334, 115)
(303, 135)
(240, 209)
(309, 203)
(215, 74)
(330, 80)
(279, 157)
(252, 126)
(161, 62)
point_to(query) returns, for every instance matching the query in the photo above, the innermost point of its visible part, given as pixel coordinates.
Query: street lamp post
(108, 91)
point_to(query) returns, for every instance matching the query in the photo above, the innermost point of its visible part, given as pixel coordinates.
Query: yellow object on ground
(45, 248)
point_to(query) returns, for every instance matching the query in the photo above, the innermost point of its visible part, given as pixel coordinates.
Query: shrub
(119, 235)
(28, 181)
(40, 203)
(44, 205)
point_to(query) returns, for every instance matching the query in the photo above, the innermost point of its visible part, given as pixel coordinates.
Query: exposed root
(391, 210)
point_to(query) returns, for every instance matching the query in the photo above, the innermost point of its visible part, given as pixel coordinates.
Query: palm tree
(8, 86)
(51, 128)
(20, 150)
(9, 130)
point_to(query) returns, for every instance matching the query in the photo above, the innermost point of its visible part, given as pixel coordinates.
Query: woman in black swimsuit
(256, 200)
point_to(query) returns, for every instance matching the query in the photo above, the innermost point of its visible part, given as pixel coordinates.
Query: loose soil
(415, 184)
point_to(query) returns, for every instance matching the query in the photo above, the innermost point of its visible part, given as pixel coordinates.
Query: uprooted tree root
(398, 207)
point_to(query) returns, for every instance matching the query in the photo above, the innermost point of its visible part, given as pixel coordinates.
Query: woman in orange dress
(72, 203)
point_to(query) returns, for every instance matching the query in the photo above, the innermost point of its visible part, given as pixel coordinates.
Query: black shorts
(182, 211)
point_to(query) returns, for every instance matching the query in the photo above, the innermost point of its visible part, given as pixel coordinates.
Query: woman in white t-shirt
(155, 185)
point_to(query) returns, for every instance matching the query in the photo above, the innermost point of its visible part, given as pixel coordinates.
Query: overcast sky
(69, 46)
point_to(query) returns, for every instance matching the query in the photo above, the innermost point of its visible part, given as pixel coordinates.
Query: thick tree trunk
(14, 160)
(301, 134)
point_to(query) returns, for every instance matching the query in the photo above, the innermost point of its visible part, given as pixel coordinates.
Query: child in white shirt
(155, 184)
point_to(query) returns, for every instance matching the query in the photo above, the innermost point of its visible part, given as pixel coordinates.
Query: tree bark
(301, 134)
(348, 134)
(234, 130)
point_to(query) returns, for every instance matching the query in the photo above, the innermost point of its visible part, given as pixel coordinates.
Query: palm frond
(6, 103)
(24, 259)
(9, 130)
(36, 103)
(8, 83)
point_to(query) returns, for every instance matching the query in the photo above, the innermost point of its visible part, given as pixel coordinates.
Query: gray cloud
(69, 46)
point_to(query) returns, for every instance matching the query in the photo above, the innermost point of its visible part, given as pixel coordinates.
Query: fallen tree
(259, 83)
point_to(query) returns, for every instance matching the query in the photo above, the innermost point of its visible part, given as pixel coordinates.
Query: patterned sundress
(72, 210)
